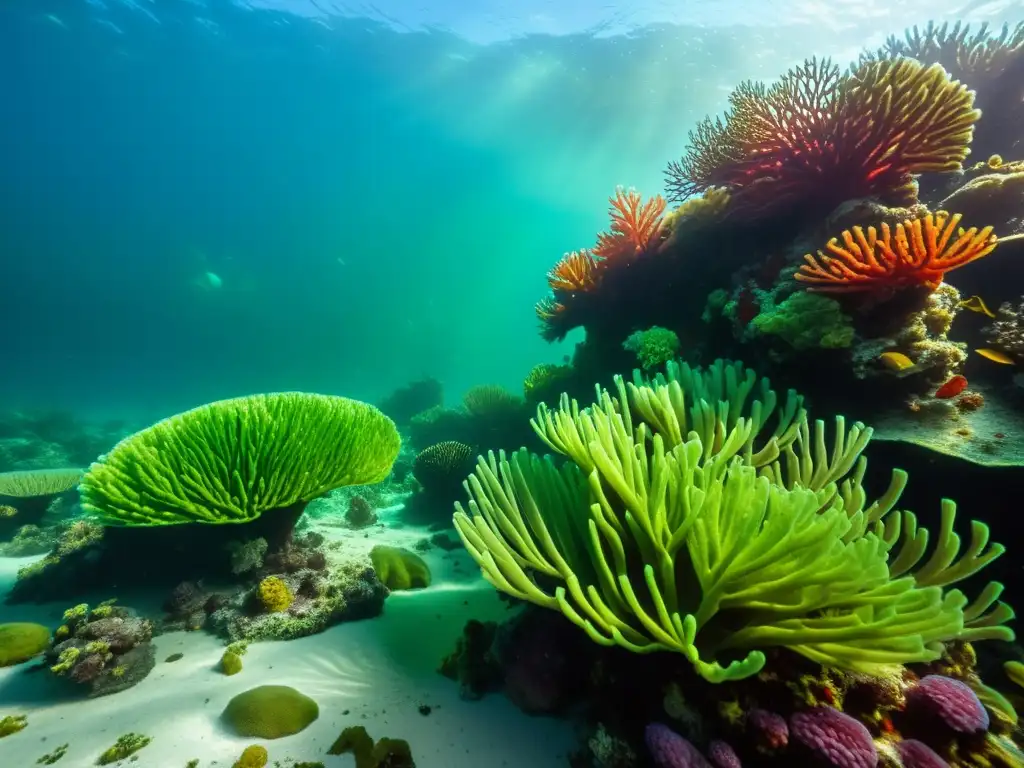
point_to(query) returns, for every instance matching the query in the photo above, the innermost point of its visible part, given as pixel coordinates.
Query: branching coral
(918, 253)
(676, 533)
(636, 226)
(817, 138)
(575, 271)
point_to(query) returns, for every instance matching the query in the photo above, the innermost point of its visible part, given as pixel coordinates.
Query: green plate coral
(231, 461)
(699, 531)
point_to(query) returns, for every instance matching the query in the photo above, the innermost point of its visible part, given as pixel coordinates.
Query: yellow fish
(896, 361)
(976, 304)
(996, 356)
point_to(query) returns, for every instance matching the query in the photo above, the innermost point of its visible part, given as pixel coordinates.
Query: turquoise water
(379, 191)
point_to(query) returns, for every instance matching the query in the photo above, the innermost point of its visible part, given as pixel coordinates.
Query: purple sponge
(952, 701)
(917, 754)
(836, 737)
(670, 750)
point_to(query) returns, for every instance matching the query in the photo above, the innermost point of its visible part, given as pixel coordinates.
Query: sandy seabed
(377, 673)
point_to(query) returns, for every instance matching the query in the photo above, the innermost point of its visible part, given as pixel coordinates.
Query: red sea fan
(636, 226)
(817, 138)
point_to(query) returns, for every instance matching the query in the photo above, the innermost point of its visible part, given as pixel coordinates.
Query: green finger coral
(699, 530)
(233, 460)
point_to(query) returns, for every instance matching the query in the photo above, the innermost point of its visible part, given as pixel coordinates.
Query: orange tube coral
(918, 253)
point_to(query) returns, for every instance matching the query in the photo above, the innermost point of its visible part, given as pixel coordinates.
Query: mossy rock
(399, 568)
(270, 712)
(21, 641)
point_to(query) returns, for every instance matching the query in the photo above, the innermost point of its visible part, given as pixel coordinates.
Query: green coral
(20, 641)
(12, 724)
(399, 568)
(230, 663)
(67, 659)
(125, 746)
(653, 347)
(270, 712)
(231, 461)
(698, 530)
(253, 756)
(807, 321)
(274, 595)
(31, 483)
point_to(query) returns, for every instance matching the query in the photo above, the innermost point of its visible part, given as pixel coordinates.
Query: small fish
(996, 356)
(952, 388)
(896, 361)
(976, 304)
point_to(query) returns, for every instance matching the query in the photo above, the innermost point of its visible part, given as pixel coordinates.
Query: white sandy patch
(380, 671)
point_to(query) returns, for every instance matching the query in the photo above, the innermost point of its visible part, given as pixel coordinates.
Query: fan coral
(274, 594)
(38, 482)
(690, 531)
(919, 253)
(231, 461)
(817, 138)
(576, 271)
(834, 736)
(636, 226)
(951, 701)
(670, 750)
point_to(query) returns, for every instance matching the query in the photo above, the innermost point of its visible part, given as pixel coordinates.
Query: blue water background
(380, 189)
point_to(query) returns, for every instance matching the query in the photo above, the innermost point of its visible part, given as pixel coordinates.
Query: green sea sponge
(399, 568)
(807, 321)
(38, 482)
(698, 530)
(125, 746)
(233, 460)
(230, 663)
(12, 724)
(274, 594)
(270, 712)
(254, 756)
(20, 641)
(653, 347)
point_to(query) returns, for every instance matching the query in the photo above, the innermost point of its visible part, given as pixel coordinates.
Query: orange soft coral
(636, 226)
(817, 138)
(918, 253)
(576, 271)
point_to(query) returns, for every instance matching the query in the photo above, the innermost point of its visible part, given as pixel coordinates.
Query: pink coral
(769, 729)
(670, 750)
(722, 755)
(951, 701)
(916, 754)
(834, 736)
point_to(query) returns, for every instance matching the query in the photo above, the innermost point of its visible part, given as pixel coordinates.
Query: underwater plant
(233, 460)
(699, 531)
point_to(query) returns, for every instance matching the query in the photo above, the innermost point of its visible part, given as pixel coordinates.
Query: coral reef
(270, 712)
(107, 648)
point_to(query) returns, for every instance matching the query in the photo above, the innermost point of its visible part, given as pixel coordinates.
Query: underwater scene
(468, 384)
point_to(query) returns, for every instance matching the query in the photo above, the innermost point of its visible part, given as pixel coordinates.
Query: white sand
(380, 670)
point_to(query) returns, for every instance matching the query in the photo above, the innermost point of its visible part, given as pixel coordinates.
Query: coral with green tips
(125, 746)
(232, 460)
(699, 530)
(807, 321)
(270, 712)
(399, 568)
(12, 724)
(653, 347)
(20, 641)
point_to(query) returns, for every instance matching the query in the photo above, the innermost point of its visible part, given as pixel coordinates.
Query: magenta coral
(834, 736)
(769, 729)
(722, 755)
(952, 701)
(916, 754)
(670, 750)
